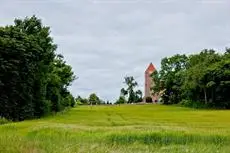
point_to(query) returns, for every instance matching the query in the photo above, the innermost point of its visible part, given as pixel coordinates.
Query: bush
(148, 99)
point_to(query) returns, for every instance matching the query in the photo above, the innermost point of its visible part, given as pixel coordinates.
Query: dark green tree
(121, 100)
(199, 80)
(133, 96)
(33, 79)
(196, 76)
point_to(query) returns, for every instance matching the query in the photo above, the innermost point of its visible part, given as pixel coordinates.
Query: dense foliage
(33, 78)
(93, 99)
(200, 79)
(81, 101)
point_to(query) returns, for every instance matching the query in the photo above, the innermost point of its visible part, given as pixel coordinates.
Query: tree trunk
(212, 95)
(205, 96)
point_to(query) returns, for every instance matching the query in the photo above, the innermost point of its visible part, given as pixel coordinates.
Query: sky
(106, 40)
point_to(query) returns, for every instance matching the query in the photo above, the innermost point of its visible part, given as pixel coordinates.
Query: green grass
(121, 129)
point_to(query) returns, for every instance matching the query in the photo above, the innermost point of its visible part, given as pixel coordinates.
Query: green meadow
(121, 129)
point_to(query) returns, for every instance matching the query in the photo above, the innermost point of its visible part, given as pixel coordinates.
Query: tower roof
(151, 68)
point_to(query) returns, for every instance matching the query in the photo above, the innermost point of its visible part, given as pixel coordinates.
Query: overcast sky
(105, 40)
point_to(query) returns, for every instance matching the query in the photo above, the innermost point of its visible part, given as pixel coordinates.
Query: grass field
(121, 129)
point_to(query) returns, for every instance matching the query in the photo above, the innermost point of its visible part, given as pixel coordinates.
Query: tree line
(93, 99)
(198, 80)
(129, 94)
(34, 79)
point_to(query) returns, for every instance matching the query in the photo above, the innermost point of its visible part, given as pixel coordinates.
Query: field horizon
(121, 128)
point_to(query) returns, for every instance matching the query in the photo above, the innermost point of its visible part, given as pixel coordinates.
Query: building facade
(149, 83)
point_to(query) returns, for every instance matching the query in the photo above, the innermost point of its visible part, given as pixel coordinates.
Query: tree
(124, 92)
(133, 96)
(196, 77)
(200, 79)
(121, 100)
(94, 99)
(59, 79)
(169, 79)
(33, 79)
(138, 94)
(83, 101)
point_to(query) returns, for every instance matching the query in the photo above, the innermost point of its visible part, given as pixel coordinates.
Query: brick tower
(148, 81)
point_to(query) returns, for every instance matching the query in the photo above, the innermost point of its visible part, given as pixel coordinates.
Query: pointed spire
(151, 68)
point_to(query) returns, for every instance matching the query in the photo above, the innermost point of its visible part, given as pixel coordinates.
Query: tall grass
(125, 128)
(167, 138)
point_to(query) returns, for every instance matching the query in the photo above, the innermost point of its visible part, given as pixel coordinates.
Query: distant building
(149, 83)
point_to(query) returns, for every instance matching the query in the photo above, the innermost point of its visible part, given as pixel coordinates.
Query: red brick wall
(149, 83)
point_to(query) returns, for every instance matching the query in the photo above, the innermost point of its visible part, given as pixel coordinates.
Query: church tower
(148, 80)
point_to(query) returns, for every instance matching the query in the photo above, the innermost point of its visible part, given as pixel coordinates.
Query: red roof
(151, 68)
